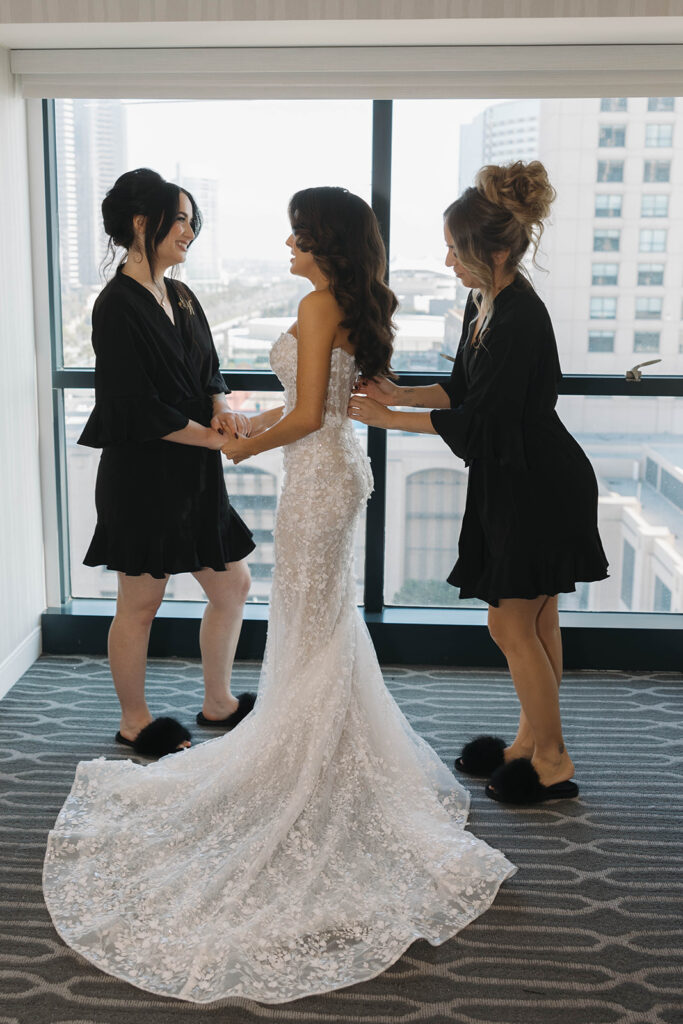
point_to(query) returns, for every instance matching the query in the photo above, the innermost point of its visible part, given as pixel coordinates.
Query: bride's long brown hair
(342, 233)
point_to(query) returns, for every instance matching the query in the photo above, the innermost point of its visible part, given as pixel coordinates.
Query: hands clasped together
(234, 429)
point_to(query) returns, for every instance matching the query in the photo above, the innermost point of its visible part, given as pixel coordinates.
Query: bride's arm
(317, 325)
(263, 420)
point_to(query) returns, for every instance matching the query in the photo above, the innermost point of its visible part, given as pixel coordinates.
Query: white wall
(21, 541)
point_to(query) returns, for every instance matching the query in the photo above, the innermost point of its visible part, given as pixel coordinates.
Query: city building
(91, 154)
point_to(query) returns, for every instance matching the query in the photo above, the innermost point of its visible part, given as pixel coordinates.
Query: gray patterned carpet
(587, 932)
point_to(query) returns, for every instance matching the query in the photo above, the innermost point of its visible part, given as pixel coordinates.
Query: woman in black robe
(160, 410)
(529, 531)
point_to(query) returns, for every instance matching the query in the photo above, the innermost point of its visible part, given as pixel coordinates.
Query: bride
(308, 848)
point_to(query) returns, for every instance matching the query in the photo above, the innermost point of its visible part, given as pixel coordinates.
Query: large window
(607, 205)
(610, 170)
(652, 240)
(245, 164)
(603, 308)
(605, 273)
(606, 240)
(649, 308)
(657, 170)
(659, 135)
(654, 206)
(612, 135)
(650, 273)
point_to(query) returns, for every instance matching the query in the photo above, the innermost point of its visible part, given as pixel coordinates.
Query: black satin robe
(162, 507)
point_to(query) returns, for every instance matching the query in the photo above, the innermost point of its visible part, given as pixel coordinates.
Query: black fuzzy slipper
(517, 782)
(245, 704)
(481, 756)
(162, 736)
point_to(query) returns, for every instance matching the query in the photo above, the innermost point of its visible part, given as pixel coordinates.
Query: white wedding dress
(308, 848)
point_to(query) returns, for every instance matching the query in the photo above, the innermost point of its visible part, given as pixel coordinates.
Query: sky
(261, 152)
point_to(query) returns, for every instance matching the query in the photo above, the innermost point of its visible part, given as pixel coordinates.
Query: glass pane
(253, 487)
(426, 487)
(635, 447)
(615, 223)
(243, 164)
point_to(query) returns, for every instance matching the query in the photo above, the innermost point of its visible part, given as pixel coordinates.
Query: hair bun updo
(522, 189)
(129, 195)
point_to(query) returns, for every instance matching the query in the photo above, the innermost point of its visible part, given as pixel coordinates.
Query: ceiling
(367, 32)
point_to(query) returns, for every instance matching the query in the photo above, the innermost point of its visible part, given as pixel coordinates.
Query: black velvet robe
(530, 521)
(162, 507)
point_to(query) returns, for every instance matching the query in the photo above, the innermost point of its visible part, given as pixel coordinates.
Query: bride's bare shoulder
(320, 304)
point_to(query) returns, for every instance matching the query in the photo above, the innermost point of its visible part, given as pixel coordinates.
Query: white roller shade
(372, 72)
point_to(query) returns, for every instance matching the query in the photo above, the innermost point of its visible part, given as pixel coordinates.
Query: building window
(603, 307)
(657, 170)
(611, 170)
(659, 135)
(605, 273)
(662, 601)
(646, 341)
(651, 472)
(434, 503)
(608, 205)
(672, 488)
(601, 341)
(628, 562)
(650, 273)
(654, 206)
(613, 104)
(612, 135)
(660, 103)
(649, 308)
(652, 240)
(606, 240)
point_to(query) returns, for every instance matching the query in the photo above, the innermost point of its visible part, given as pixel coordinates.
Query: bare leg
(219, 633)
(513, 627)
(548, 632)
(137, 603)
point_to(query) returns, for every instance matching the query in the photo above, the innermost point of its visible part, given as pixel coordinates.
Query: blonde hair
(505, 210)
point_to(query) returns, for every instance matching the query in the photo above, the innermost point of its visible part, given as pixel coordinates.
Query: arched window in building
(435, 501)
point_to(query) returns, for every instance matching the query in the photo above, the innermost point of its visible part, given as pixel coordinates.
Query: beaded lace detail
(308, 848)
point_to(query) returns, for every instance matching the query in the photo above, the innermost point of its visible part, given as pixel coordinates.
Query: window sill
(641, 641)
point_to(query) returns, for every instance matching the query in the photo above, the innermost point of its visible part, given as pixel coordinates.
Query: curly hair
(342, 233)
(505, 210)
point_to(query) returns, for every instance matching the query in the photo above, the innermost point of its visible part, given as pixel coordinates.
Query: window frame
(409, 635)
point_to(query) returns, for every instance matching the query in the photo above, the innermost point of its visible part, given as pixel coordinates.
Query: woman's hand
(214, 439)
(380, 389)
(230, 422)
(237, 449)
(367, 410)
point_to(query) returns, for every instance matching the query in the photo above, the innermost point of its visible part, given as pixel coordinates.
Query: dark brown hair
(342, 233)
(143, 192)
(505, 210)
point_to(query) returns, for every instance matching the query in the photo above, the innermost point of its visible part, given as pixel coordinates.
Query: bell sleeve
(127, 403)
(488, 421)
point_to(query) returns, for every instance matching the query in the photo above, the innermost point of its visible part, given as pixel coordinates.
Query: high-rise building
(91, 155)
(501, 133)
(204, 266)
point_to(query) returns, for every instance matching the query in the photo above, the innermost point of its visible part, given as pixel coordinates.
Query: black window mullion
(375, 523)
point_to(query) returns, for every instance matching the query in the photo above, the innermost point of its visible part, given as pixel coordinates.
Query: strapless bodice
(343, 372)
